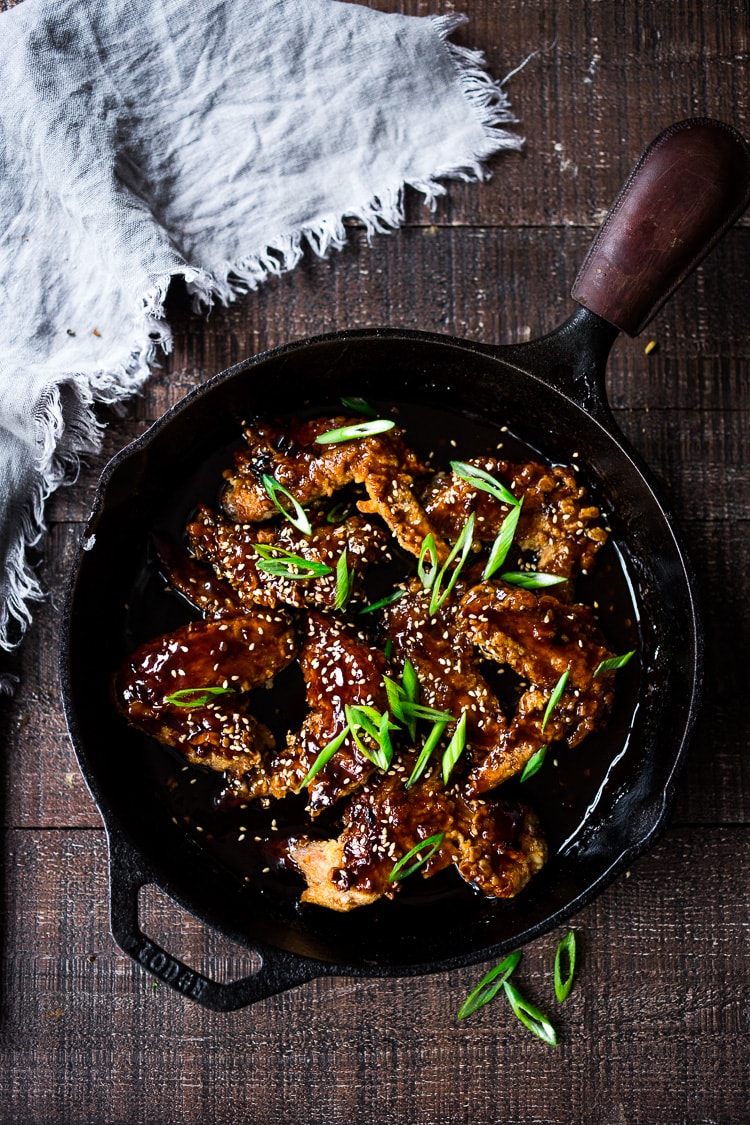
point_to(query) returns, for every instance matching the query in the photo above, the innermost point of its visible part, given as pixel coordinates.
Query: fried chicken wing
(557, 525)
(310, 471)
(231, 654)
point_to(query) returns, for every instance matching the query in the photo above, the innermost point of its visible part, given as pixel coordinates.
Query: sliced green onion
(530, 1016)
(566, 948)
(388, 650)
(531, 579)
(455, 748)
(377, 727)
(281, 563)
(195, 696)
(483, 480)
(344, 581)
(427, 577)
(489, 985)
(426, 752)
(324, 756)
(502, 544)
(389, 599)
(534, 764)
(299, 519)
(339, 512)
(401, 871)
(360, 405)
(395, 695)
(410, 683)
(352, 433)
(462, 545)
(554, 699)
(419, 711)
(614, 662)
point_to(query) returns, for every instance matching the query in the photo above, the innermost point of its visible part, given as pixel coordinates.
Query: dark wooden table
(656, 1029)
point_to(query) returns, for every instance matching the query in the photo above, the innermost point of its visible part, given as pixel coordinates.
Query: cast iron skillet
(606, 802)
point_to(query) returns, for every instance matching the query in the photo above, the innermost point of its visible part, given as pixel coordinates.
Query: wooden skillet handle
(689, 186)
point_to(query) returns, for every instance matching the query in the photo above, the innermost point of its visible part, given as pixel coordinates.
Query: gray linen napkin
(214, 139)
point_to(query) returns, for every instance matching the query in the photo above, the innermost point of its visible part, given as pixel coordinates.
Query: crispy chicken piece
(236, 653)
(229, 549)
(557, 524)
(496, 845)
(339, 669)
(445, 660)
(382, 463)
(540, 638)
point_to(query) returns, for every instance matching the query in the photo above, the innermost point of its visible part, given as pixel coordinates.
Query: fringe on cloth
(67, 429)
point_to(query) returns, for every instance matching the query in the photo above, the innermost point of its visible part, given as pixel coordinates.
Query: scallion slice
(426, 752)
(401, 871)
(554, 699)
(531, 579)
(566, 948)
(489, 985)
(196, 696)
(389, 599)
(455, 748)
(483, 480)
(502, 544)
(530, 1016)
(344, 581)
(324, 756)
(353, 433)
(534, 764)
(360, 405)
(299, 518)
(281, 563)
(462, 545)
(429, 548)
(614, 662)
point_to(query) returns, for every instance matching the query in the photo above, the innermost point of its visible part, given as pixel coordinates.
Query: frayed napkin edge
(66, 424)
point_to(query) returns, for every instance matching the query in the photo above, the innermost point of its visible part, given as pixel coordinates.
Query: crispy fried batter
(229, 549)
(238, 653)
(557, 525)
(382, 463)
(202, 587)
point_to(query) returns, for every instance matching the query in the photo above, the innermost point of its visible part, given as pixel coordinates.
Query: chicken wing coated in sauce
(382, 463)
(158, 688)
(229, 549)
(558, 526)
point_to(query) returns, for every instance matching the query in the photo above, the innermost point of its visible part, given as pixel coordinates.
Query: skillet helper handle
(689, 186)
(279, 971)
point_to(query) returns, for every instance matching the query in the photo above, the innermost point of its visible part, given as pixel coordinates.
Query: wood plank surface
(657, 1027)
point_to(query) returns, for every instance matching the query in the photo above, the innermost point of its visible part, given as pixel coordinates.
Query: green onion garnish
(195, 696)
(344, 581)
(455, 748)
(422, 712)
(614, 662)
(388, 650)
(339, 512)
(299, 519)
(426, 752)
(462, 545)
(554, 699)
(360, 405)
(502, 544)
(530, 1016)
(534, 763)
(281, 563)
(389, 599)
(410, 684)
(531, 579)
(427, 577)
(483, 480)
(351, 433)
(489, 985)
(401, 871)
(567, 947)
(324, 756)
(377, 726)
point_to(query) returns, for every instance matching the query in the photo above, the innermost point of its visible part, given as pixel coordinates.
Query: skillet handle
(279, 971)
(689, 186)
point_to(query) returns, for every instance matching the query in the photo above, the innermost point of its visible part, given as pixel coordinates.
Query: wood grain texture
(658, 1025)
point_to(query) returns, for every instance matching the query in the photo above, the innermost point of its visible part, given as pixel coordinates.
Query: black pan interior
(600, 805)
